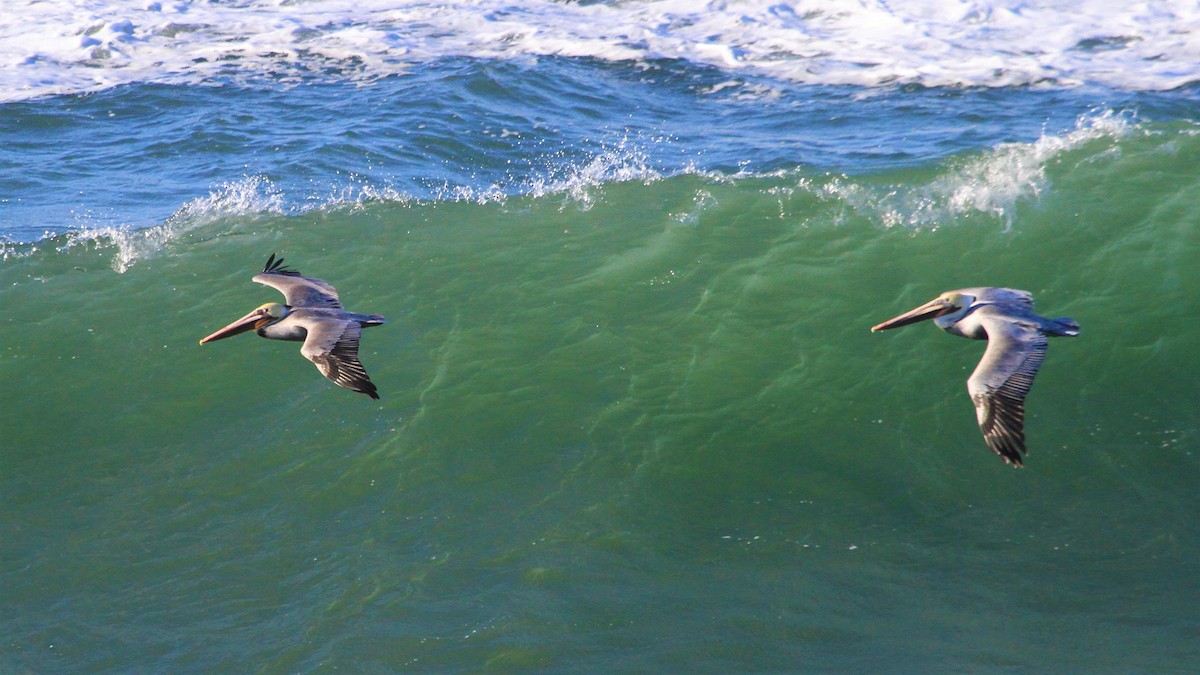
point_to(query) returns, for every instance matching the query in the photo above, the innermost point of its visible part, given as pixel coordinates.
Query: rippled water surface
(632, 416)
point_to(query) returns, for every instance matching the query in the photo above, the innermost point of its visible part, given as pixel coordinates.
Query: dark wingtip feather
(363, 385)
(366, 386)
(1010, 449)
(275, 266)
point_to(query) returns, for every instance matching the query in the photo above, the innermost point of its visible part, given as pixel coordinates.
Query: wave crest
(992, 184)
(251, 196)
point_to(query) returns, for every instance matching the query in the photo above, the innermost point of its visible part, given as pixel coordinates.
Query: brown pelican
(313, 314)
(1016, 346)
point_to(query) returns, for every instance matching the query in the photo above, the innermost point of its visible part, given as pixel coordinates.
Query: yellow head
(274, 310)
(952, 301)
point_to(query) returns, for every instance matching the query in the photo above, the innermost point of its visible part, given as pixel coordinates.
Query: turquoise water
(633, 418)
(641, 426)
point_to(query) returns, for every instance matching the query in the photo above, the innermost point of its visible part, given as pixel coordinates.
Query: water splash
(624, 161)
(993, 184)
(250, 196)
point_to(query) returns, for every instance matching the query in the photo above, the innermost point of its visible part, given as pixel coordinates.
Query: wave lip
(993, 183)
(253, 196)
(63, 47)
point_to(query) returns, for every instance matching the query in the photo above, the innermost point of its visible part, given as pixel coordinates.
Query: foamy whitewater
(62, 47)
(632, 416)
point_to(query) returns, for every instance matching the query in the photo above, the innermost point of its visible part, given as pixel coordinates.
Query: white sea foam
(251, 196)
(622, 162)
(992, 184)
(70, 46)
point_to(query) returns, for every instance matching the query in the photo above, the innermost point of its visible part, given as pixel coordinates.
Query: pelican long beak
(929, 310)
(240, 326)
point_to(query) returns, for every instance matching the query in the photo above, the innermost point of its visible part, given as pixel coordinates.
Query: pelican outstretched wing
(332, 344)
(298, 291)
(1001, 382)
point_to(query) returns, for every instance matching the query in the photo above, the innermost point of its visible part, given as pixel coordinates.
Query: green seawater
(644, 428)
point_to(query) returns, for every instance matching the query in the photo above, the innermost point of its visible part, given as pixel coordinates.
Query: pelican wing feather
(1002, 380)
(332, 344)
(298, 291)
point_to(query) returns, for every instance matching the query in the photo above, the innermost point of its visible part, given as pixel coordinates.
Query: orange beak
(242, 325)
(929, 310)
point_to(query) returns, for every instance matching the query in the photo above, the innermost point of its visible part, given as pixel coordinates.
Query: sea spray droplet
(252, 196)
(993, 183)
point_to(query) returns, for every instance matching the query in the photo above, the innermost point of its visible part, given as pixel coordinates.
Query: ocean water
(632, 417)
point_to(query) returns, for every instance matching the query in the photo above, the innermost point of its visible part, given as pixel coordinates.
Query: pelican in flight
(312, 313)
(1016, 346)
